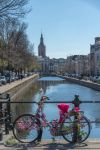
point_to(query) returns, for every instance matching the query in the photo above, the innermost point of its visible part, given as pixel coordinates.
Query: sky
(68, 26)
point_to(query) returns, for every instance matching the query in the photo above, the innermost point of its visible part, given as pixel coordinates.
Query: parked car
(12, 78)
(94, 79)
(98, 79)
(21, 76)
(16, 77)
(3, 79)
(8, 79)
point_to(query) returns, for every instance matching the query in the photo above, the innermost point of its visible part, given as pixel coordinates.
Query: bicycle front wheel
(27, 128)
(75, 130)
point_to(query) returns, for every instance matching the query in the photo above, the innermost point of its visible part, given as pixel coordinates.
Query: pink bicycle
(72, 125)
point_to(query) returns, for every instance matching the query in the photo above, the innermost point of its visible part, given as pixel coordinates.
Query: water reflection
(59, 90)
(26, 96)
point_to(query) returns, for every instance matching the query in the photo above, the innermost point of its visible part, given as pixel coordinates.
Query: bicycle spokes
(75, 130)
(26, 128)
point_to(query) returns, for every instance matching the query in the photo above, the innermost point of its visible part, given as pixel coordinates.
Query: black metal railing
(7, 101)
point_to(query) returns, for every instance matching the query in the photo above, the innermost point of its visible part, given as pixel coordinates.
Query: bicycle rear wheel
(27, 128)
(68, 129)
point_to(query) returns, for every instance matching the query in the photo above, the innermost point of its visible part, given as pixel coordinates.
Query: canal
(58, 89)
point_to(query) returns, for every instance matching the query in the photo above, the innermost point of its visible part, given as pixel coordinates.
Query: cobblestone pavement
(58, 145)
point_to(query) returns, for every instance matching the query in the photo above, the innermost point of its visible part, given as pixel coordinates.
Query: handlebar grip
(45, 97)
(48, 98)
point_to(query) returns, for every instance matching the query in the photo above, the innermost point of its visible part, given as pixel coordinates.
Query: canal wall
(86, 83)
(17, 87)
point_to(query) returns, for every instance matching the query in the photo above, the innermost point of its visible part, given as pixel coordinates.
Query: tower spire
(41, 38)
(41, 47)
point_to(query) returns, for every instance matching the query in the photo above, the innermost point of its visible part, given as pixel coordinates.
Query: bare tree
(13, 9)
(15, 49)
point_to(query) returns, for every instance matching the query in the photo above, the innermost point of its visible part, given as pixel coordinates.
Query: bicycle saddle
(63, 107)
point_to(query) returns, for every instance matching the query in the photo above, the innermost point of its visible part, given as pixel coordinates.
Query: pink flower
(76, 109)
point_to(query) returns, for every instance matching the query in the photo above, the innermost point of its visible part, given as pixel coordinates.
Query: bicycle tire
(68, 132)
(27, 128)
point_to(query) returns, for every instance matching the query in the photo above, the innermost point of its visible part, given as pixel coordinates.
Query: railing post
(76, 103)
(1, 115)
(6, 122)
(7, 115)
(9, 108)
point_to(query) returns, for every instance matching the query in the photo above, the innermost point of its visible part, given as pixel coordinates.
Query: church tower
(41, 48)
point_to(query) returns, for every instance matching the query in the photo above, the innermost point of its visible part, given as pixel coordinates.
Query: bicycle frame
(42, 117)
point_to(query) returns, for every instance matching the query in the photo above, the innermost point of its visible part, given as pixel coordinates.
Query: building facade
(95, 57)
(78, 64)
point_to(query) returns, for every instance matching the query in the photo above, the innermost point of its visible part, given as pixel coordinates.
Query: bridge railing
(5, 99)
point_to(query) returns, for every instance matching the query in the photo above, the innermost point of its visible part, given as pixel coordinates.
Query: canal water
(58, 89)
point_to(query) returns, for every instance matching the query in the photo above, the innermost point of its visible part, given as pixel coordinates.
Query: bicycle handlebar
(76, 102)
